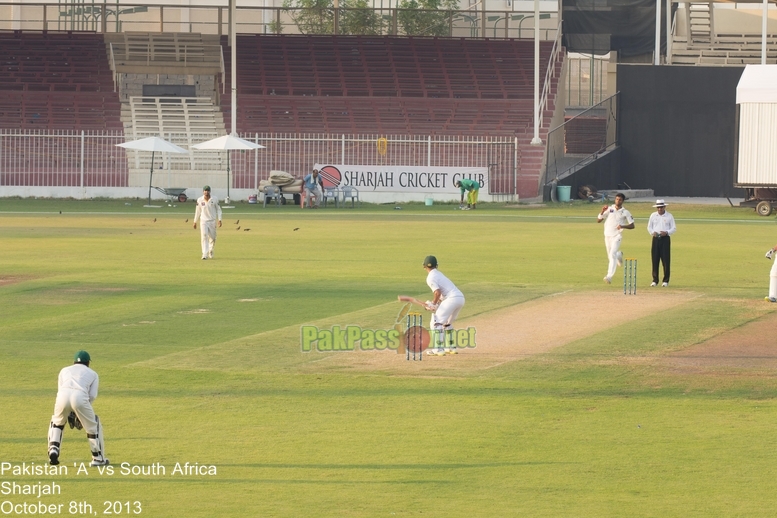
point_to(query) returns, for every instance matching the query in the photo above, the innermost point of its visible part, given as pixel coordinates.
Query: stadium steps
(184, 121)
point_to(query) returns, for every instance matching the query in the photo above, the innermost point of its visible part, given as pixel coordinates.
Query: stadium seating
(359, 85)
(385, 85)
(56, 80)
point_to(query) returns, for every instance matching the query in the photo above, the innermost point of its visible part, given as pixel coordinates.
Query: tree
(426, 17)
(318, 17)
(312, 16)
(359, 17)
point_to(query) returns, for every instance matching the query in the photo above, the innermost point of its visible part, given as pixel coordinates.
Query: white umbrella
(227, 143)
(152, 144)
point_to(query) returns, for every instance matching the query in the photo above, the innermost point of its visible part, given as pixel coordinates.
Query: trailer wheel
(182, 198)
(764, 208)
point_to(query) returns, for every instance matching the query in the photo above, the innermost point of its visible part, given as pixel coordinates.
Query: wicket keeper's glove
(74, 421)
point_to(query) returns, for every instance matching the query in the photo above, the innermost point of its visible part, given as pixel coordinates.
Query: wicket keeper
(77, 389)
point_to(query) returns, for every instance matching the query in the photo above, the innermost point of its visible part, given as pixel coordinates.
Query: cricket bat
(405, 298)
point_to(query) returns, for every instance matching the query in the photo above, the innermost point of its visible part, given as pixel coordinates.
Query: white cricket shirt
(207, 210)
(437, 281)
(79, 377)
(614, 217)
(661, 223)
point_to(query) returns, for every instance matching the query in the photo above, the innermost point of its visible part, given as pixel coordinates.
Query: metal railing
(586, 80)
(550, 73)
(62, 159)
(148, 54)
(106, 16)
(92, 159)
(581, 140)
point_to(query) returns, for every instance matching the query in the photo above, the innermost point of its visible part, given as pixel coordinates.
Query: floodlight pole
(657, 53)
(150, 177)
(536, 140)
(233, 49)
(763, 31)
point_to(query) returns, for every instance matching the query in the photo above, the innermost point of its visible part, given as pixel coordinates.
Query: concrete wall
(677, 128)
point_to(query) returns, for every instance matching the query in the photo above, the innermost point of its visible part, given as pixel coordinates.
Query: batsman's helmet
(82, 357)
(430, 261)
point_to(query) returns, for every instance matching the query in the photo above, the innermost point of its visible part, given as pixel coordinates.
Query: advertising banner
(409, 179)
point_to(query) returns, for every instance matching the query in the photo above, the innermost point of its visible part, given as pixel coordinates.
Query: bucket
(252, 198)
(429, 202)
(562, 192)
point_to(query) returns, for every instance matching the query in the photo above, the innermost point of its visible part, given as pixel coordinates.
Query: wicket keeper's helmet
(82, 357)
(430, 261)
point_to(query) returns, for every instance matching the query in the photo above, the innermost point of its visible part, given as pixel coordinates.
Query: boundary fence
(92, 159)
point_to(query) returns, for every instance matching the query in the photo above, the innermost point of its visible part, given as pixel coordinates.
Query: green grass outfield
(200, 362)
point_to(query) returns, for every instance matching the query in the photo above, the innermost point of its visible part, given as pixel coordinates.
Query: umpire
(661, 225)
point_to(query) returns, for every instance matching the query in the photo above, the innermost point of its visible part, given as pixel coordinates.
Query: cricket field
(576, 400)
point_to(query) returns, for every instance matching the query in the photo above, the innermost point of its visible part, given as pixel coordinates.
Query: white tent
(758, 84)
(227, 143)
(757, 100)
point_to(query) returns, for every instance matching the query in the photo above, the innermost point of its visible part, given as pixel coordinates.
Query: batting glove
(769, 254)
(74, 422)
(430, 307)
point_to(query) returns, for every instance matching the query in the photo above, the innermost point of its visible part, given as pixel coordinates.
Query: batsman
(445, 305)
(77, 389)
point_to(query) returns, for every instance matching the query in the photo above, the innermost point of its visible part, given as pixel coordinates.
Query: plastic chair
(332, 193)
(271, 192)
(303, 197)
(352, 193)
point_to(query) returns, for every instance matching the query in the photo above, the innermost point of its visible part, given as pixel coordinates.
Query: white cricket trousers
(76, 401)
(773, 279)
(613, 246)
(447, 312)
(208, 233)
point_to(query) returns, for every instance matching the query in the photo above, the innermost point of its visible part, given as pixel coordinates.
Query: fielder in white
(772, 276)
(616, 218)
(445, 305)
(208, 212)
(77, 389)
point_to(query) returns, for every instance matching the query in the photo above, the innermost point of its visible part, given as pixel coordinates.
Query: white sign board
(409, 179)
